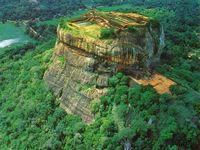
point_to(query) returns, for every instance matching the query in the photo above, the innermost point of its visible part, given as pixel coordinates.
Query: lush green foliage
(107, 33)
(139, 116)
(43, 9)
(41, 32)
(136, 117)
(30, 117)
(132, 29)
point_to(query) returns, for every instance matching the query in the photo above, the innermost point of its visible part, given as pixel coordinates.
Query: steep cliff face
(83, 61)
(77, 79)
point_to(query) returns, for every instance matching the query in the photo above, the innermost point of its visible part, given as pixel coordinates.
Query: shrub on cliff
(132, 29)
(107, 33)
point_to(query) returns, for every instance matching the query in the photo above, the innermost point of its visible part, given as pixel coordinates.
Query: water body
(12, 36)
(8, 42)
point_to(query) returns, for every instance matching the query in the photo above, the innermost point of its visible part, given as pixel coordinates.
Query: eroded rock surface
(83, 62)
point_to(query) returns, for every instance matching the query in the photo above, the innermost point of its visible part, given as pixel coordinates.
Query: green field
(11, 31)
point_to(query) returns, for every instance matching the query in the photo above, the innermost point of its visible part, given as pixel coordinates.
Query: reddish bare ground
(158, 81)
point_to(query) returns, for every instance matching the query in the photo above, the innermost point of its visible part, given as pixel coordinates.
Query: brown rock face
(77, 79)
(83, 62)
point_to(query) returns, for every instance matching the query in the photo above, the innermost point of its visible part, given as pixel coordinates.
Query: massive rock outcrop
(95, 46)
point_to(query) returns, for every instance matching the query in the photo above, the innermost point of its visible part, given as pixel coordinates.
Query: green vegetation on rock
(107, 33)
